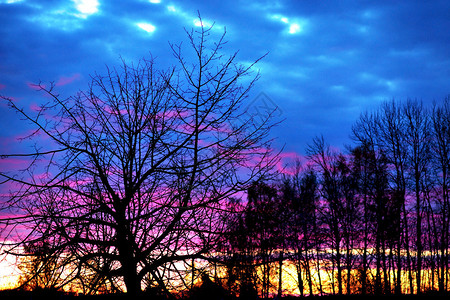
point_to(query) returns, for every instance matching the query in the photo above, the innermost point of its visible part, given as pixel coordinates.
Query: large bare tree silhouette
(132, 175)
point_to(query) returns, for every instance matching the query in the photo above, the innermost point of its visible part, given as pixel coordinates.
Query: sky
(327, 61)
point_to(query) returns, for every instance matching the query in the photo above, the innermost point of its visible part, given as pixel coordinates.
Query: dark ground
(55, 295)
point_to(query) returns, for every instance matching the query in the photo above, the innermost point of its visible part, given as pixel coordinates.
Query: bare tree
(332, 211)
(418, 141)
(391, 127)
(300, 191)
(240, 253)
(362, 165)
(261, 220)
(441, 160)
(135, 171)
(403, 133)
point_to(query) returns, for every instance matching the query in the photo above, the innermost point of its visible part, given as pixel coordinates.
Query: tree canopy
(128, 179)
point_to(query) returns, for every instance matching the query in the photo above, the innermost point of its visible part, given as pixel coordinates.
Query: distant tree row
(372, 220)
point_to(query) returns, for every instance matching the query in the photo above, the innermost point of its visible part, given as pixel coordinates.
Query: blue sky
(328, 61)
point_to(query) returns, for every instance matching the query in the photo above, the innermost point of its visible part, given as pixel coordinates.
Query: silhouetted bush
(209, 290)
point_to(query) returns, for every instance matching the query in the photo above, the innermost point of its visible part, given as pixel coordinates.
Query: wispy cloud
(150, 28)
(63, 80)
(86, 7)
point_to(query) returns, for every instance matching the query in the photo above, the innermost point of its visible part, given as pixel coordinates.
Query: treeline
(371, 220)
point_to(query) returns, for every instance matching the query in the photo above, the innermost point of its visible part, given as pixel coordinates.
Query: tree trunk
(419, 234)
(398, 285)
(319, 277)
(127, 259)
(280, 272)
(339, 269)
(299, 272)
(308, 272)
(130, 276)
(408, 254)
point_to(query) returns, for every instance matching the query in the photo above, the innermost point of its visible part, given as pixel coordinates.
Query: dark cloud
(327, 61)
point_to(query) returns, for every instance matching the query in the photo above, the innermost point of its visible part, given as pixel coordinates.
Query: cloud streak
(63, 80)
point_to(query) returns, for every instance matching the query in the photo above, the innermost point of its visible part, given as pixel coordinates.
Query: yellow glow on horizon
(9, 273)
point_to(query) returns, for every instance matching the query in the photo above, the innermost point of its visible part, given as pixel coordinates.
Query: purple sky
(328, 61)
